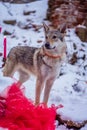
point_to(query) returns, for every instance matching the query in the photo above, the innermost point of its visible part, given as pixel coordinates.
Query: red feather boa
(19, 113)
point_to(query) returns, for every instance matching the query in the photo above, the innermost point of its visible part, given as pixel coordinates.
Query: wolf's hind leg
(23, 77)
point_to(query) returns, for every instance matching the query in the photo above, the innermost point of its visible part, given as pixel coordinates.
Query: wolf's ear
(62, 28)
(46, 28)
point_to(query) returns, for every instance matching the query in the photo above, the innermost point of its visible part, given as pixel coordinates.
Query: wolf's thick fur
(44, 62)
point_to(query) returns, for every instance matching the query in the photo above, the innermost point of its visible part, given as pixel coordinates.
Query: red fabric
(19, 113)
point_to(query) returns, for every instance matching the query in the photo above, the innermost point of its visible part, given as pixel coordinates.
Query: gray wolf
(44, 62)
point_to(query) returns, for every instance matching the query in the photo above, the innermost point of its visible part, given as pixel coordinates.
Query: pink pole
(5, 45)
(0, 29)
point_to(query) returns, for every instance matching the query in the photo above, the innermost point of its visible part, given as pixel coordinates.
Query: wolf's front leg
(47, 90)
(39, 87)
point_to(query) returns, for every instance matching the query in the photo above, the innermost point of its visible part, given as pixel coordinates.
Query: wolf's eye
(54, 37)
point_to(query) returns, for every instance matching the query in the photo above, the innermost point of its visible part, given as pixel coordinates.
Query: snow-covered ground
(70, 89)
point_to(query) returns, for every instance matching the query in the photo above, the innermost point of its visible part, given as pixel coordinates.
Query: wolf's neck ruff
(51, 55)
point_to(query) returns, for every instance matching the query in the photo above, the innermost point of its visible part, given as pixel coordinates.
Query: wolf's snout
(47, 45)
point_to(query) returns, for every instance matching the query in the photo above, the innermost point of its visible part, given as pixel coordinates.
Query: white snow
(70, 89)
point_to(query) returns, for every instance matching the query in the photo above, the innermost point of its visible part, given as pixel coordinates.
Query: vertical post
(0, 29)
(5, 48)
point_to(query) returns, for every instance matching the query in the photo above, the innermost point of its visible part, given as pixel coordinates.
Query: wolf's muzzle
(47, 45)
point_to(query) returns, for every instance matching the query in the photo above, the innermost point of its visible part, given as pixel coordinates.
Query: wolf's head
(54, 39)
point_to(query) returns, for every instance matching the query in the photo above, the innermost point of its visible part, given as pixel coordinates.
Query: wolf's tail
(3, 60)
